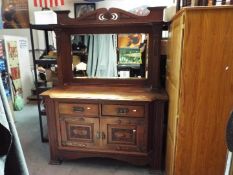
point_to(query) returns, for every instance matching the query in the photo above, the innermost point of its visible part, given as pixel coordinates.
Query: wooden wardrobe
(200, 86)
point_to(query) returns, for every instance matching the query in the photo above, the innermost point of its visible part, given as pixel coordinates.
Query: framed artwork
(129, 40)
(82, 8)
(14, 14)
(130, 56)
(12, 55)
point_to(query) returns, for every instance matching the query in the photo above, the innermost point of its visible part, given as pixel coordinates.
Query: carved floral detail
(108, 16)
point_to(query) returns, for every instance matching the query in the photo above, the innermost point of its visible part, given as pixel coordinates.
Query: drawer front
(123, 110)
(79, 109)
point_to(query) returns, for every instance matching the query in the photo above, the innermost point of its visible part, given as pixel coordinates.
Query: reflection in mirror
(110, 55)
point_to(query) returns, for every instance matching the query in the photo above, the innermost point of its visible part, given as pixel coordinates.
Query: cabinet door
(79, 132)
(124, 134)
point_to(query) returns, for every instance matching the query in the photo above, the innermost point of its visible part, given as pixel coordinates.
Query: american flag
(48, 3)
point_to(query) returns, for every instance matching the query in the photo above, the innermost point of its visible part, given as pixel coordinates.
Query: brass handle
(78, 109)
(103, 135)
(122, 110)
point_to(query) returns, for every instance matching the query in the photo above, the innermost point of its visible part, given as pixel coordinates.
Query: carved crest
(108, 15)
(112, 15)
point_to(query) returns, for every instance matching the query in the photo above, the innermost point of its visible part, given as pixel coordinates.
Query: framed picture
(14, 14)
(82, 8)
(130, 56)
(132, 40)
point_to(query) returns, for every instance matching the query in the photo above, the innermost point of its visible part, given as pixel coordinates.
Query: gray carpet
(37, 153)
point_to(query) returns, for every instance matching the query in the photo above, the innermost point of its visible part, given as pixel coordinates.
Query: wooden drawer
(123, 110)
(79, 109)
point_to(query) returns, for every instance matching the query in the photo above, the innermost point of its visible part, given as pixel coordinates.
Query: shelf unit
(43, 62)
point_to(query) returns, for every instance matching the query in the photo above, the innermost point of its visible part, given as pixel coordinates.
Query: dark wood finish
(109, 21)
(52, 130)
(123, 110)
(202, 2)
(78, 132)
(114, 118)
(79, 109)
(124, 134)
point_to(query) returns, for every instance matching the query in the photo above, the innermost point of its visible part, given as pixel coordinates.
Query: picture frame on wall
(82, 8)
(14, 14)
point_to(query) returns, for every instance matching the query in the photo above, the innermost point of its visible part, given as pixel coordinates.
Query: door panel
(124, 134)
(79, 132)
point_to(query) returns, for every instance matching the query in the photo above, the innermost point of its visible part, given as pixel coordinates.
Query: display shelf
(43, 27)
(46, 61)
(40, 86)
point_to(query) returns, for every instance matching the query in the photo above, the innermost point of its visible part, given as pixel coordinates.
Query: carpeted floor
(37, 153)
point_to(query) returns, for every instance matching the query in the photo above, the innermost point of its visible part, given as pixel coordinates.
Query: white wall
(129, 4)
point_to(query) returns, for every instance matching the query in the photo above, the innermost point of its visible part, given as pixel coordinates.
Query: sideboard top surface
(106, 93)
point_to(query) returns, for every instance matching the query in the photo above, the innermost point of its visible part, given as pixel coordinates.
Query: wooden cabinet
(131, 130)
(199, 83)
(113, 117)
(87, 129)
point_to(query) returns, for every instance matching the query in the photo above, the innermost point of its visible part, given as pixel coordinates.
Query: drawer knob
(134, 130)
(134, 110)
(78, 109)
(88, 108)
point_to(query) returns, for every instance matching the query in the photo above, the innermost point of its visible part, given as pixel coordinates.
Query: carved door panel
(79, 132)
(124, 134)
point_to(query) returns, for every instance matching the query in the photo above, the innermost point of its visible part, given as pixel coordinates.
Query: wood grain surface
(106, 93)
(205, 92)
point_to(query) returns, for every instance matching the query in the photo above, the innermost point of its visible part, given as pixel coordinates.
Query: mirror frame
(103, 21)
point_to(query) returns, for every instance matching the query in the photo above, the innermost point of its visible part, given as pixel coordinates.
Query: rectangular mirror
(110, 56)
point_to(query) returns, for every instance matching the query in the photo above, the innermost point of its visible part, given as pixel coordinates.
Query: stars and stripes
(48, 3)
